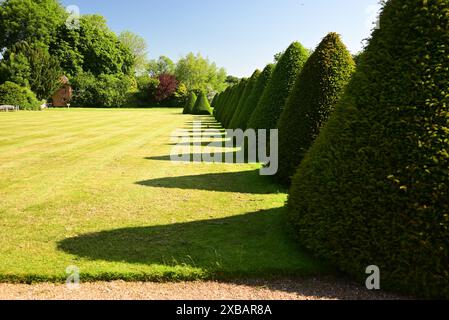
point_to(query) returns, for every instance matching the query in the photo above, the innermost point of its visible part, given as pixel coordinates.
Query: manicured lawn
(95, 188)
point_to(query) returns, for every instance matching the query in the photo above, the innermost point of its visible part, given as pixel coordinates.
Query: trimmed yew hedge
(317, 91)
(221, 101)
(254, 97)
(234, 102)
(234, 123)
(272, 103)
(223, 109)
(202, 106)
(190, 104)
(373, 189)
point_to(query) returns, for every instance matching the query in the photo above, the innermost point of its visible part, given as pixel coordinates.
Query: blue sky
(239, 35)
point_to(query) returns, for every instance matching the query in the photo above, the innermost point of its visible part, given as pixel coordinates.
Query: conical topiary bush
(213, 104)
(218, 110)
(273, 100)
(373, 189)
(234, 102)
(190, 104)
(226, 104)
(254, 97)
(202, 106)
(245, 95)
(317, 91)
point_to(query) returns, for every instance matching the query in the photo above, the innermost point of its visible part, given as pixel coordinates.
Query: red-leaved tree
(167, 87)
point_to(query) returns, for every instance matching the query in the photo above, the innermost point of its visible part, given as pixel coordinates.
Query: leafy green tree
(104, 91)
(181, 94)
(103, 53)
(32, 66)
(146, 88)
(231, 80)
(275, 96)
(84, 90)
(163, 65)
(93, 48)
(15, 67)
(139, 49)
(65, 46)
(373, 189)
(317, 91)
(190, 104)
(199, 74)
(29, 20)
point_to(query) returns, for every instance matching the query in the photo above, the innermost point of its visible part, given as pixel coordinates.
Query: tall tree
(232, 80)
(29, 20)
(163, 65)
(92, 48)
(32, 66)
(138, 47)
(199, 74)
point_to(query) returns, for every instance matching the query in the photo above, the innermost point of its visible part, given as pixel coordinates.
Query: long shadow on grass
(253, 244)
(213, 157)
(204, 129)
(215, 144)
(250, 182)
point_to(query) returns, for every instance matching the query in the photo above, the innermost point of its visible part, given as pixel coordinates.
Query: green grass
(95, 188)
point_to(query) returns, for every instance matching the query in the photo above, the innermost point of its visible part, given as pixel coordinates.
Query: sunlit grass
(95, 188)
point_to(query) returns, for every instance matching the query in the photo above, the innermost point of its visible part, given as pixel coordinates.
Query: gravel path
(307, 289)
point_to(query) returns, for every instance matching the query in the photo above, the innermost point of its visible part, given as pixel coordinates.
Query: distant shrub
(106, 91)
(275, 96)
(373, 189)
(202, 106)
(190, 104)
(317, 91)
(84, 90)
(115, 90)
(15, 95)
(146, 89)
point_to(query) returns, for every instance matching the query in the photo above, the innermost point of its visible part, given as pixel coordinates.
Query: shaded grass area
(93, 188)
(251, 245)
(235, 182)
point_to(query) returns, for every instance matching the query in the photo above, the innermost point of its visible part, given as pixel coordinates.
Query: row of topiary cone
(197, 105)
(295, 96)
(367, 154)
